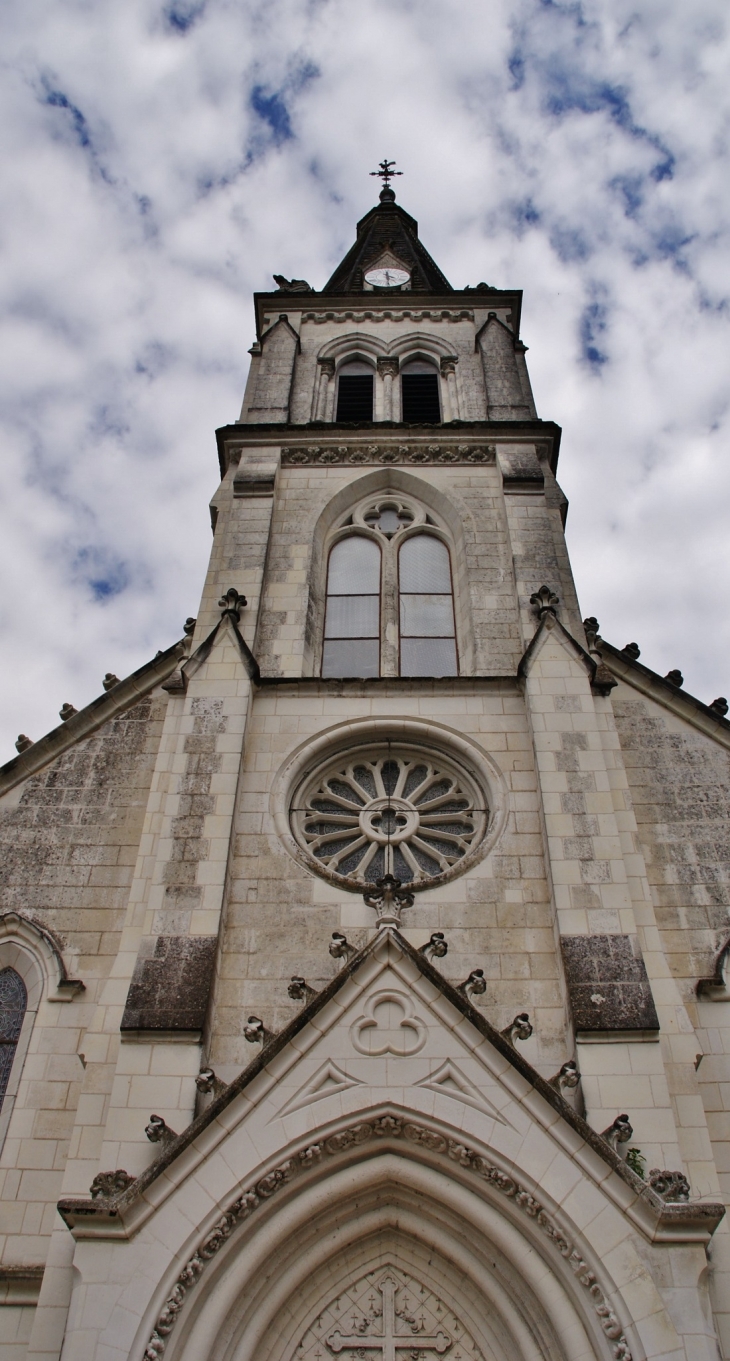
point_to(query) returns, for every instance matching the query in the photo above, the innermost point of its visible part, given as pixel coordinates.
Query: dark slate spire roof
(387, 230)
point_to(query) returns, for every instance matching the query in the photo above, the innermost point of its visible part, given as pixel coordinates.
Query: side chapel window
(427, 637)
(352, 616)
(13, 1003)
(355, 392)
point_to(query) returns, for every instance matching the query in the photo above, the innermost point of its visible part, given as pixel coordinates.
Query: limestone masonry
(363, 955)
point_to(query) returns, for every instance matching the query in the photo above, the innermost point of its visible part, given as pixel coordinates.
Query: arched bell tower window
(427, 634)
(352, 614)
(13, 1004)
(355, 391)
(420, 393)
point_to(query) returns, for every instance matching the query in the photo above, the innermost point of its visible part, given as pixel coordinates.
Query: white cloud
(162, 160)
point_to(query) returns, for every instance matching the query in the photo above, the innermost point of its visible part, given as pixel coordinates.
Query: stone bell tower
(395, 1016)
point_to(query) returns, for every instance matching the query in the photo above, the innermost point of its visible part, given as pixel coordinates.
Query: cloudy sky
(161, 160)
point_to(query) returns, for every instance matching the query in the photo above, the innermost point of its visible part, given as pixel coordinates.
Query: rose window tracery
(390, 810)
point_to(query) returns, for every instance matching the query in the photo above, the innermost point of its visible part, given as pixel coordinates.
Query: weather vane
(385, 173)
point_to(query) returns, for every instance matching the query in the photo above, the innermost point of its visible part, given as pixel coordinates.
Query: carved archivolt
(410, 1133)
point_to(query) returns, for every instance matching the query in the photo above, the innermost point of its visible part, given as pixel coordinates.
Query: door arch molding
(529, 1289)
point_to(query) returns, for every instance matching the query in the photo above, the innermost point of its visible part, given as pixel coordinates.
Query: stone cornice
(89, 720)
(375, 442)
(656, 687)
(375, 306)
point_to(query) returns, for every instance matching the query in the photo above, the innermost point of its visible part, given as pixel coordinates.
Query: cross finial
(385, 173)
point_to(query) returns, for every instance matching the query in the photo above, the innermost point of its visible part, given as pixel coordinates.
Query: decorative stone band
(390, 1127)
(388, 453)
(389, 314)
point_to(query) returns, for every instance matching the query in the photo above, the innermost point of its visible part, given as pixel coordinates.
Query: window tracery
(391, 809)
(389, 597)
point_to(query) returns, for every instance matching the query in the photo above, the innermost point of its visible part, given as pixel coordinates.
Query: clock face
(387, 278)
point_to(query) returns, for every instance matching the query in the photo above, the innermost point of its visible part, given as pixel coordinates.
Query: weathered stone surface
(171, 984)
(607, 984)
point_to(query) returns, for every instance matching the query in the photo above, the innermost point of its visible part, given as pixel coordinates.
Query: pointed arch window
(352, 614)
(13, 1005)
(427, 634)
(355, 392)
(420, 400)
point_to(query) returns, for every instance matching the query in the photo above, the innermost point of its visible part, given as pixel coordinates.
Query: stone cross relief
(389, 1342)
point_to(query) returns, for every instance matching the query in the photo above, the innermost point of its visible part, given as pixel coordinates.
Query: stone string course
(387, 314)
(391, 1127)
(377, 453)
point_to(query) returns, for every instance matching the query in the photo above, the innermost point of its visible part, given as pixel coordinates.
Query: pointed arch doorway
(389, 1260)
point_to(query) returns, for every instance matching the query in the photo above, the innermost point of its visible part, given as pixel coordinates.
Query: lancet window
(13, 1004)
(355, 392)
(389, 601)
(420, 397)
(427, 633)
(352, 614)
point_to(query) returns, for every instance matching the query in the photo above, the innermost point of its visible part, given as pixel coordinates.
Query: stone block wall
(69, 840)
(680, 786)
(280, 917)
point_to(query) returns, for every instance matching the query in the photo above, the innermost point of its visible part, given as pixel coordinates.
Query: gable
(388, 1041)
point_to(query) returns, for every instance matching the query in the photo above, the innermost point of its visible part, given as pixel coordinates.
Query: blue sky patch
(592, 325)
(181, 15)
(104, 575)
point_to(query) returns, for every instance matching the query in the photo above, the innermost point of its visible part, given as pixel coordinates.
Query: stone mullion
(389, 611)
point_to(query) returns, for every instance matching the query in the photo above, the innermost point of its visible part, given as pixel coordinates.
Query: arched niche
(453, 519)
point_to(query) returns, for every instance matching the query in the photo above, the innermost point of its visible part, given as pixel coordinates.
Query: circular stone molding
(406, 798)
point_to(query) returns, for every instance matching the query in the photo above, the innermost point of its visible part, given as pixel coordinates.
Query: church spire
(387, 243)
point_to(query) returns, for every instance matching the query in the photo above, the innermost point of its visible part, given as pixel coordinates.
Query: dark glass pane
(366, 779)
(415, 778)
(426, 616)
(355, 397)
(401, 868)
(390, 770)
(428, 657)
(351, 657)
(345, 791)
(423, 564)
(354, 567)
(376, 868)
(420, 393)
(13, 1001)
(354, 616)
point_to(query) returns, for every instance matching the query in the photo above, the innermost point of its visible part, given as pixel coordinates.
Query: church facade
(362, 956)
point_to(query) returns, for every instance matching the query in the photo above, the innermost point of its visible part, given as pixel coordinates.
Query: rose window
(396, 811)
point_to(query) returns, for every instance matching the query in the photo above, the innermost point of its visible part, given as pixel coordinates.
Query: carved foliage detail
(376, 453)
(393, 1127)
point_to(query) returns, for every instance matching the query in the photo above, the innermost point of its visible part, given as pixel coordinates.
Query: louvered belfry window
(355, 392)
(420, 394)
(427, 635)
(13, 1003)
(352, 616)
